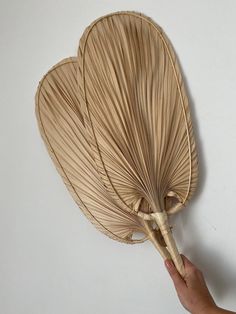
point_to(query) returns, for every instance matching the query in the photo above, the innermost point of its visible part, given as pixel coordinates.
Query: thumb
(175, 276)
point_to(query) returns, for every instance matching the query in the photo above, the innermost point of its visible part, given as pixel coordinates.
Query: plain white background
(52, 260)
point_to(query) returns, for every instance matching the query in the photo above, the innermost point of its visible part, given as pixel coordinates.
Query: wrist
(210, 309)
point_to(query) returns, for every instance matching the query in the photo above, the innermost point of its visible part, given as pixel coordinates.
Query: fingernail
(169, 263)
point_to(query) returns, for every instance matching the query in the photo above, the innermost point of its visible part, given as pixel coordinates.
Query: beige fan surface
(62, 129)
(137, 117)
(116, 123)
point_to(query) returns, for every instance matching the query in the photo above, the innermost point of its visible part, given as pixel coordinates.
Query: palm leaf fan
(62, 128)
(137, 118)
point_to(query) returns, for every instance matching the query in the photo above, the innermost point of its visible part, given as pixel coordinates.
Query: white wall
(52, 260)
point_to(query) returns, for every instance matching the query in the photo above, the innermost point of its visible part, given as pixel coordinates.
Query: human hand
(192, 289)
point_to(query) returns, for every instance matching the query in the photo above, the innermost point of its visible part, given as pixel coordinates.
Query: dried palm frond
(116, 123)
(62, 129)
(137, 117)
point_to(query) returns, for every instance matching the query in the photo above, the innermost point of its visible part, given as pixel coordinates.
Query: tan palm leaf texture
(116, 122)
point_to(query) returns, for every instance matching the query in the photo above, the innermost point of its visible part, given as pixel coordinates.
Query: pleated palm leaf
(137, 118)
(62, 128)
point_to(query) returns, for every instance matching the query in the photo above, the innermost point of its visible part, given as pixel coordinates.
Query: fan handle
(161, 220)
(169, 251)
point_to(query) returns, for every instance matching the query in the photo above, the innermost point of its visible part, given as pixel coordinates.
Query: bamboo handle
(162, 221)
(153, 237)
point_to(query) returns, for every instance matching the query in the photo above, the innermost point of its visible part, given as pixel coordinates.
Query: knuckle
(193, 269)
(196, 272)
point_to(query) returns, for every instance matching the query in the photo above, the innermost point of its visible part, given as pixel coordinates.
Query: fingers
(175, 276)
(187, 262)
(190, 268)
(192, 273)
